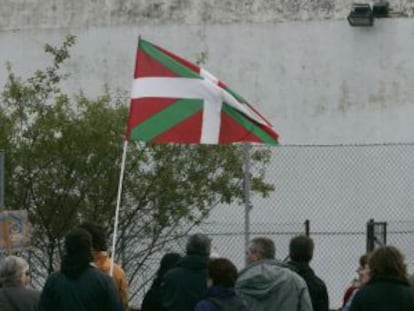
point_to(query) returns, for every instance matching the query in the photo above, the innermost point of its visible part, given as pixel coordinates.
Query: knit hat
(78, 252)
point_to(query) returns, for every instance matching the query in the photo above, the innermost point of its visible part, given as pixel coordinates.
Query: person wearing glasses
(14, 279)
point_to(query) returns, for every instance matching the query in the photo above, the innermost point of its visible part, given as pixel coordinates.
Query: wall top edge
(56, 14)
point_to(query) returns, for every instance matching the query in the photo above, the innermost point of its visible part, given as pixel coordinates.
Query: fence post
(376, 234)
(246, 167)
(370, 236)
(307, 227)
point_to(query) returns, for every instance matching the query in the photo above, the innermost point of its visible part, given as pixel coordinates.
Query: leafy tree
(63, 161)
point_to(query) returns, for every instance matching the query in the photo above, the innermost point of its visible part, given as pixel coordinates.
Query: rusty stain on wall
(344, 102)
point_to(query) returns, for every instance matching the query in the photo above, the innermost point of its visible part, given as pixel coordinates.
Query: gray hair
(11, 270)
(199, 244)
(263, 247)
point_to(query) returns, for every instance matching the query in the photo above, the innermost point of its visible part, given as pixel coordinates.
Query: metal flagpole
(118, 200)
(247, 205)
(118, 203)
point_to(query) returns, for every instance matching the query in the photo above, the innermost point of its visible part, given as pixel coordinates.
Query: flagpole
(118, 200)
(247, 205)
(118, 204)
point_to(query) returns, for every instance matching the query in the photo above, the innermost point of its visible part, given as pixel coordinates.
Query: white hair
(11, 270)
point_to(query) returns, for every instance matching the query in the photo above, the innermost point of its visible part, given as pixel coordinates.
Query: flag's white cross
(205, 89)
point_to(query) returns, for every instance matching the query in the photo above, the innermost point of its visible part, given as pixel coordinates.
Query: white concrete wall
(319, 82)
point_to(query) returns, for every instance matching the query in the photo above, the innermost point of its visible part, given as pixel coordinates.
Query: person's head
(98, 236)
(301, 248)
(198, 244)
(364, 275)
(363, 270)
(168, 261)
(260, 248)
(387, 261)
(222, 272)
(14, 271)
(78, 252)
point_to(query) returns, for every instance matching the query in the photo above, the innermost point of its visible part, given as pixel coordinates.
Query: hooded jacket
(79, 286)
(267, 285)
(225, 296)
(91, 290)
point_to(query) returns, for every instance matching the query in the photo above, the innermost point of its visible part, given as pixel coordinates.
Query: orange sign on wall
(14, 230)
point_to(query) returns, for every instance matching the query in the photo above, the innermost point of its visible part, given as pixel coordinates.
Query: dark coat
(152, 299)
(317, 288)
(384, 294)
(92, 290)
(225, 295)
(18, 298)
(185, 285)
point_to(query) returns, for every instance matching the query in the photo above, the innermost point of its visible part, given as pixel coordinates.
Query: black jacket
(152, 299)
(384, 294)
(184, 286)
(317, 288)
(92, 290)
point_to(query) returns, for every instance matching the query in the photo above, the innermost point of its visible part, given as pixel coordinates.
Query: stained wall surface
(28, 14)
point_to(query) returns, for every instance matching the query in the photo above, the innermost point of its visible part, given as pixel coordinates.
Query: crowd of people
(201, 282)
(83, 282)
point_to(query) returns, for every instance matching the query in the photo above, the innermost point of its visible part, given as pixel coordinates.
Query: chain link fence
(330, 191)
(338, 189)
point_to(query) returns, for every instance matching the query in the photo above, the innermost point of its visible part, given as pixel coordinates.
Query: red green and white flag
(176, 101)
